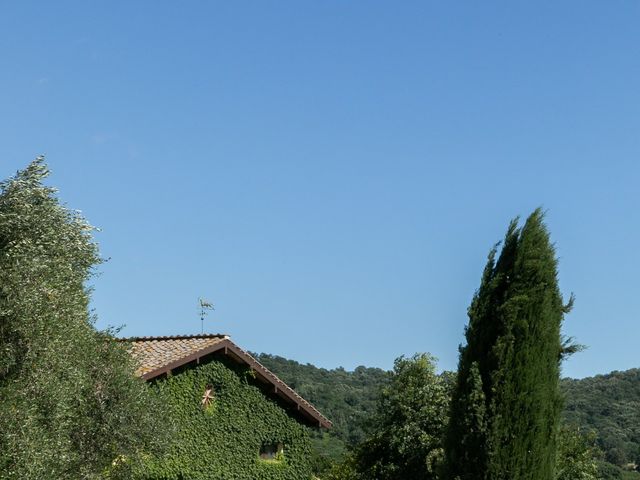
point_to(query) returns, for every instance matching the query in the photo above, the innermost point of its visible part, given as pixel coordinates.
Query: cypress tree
(506, 404)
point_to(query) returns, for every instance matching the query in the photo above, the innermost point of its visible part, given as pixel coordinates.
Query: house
(234, 418)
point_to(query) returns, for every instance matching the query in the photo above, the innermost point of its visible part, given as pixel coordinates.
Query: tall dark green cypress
(506, 404)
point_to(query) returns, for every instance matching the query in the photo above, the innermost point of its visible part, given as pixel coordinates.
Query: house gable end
(158, 356)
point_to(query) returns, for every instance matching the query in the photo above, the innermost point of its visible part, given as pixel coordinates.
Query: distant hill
(345, 397)
(608, 404)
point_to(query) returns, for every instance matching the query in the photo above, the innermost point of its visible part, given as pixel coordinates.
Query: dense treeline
(347, 398)
(608, 405)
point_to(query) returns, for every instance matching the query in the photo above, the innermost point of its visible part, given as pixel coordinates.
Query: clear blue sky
(332, 174)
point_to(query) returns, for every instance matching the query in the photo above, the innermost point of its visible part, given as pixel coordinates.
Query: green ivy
(222, 441)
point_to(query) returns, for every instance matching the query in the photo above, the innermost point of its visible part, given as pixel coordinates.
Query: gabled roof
(159, 355)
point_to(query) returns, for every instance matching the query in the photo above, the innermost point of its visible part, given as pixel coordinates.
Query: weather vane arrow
(205, 307)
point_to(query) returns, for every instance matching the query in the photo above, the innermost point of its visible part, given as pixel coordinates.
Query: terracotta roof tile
(152, 353)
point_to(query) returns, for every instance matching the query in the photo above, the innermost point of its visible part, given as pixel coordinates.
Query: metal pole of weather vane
(205, 306)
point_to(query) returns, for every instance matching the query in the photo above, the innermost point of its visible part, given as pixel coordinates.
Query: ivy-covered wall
(222, 441)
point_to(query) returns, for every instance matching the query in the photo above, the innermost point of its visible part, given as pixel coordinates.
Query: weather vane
(205, 306)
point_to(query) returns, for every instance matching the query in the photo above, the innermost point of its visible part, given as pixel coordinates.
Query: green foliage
(471, 426)
(69, 403)
(607, 404)
(610, 405)
(577, 455)
(513, 339)
(607, 471)
(347, 398)
(405, 433)
(223, 441)
(346, 469)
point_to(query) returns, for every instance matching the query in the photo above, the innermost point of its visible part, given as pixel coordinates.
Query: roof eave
(280, 388)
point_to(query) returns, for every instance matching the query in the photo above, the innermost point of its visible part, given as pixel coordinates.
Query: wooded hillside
(607, 404)
(345, 397)
(610, 405)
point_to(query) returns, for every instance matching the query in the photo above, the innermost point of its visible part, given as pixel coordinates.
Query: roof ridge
(171, 337)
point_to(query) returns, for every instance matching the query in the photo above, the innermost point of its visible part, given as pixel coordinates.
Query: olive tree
(70, 406)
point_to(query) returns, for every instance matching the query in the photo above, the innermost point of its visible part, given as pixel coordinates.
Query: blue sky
(332, 174)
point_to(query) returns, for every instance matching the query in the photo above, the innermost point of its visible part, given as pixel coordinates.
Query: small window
(271, 451)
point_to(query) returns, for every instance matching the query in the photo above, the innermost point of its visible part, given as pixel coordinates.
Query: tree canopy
(506, 405)
(70, 406)
(404, 434)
